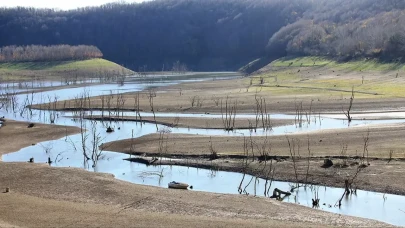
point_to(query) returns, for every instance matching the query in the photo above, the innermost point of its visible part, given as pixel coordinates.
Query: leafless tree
(365, 147)
(48, 53)
(261, 113)
(136, 106)
(151, 96)
(347, 112)
(228, 113)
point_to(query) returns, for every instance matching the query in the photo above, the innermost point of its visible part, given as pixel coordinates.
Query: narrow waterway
(67, 152)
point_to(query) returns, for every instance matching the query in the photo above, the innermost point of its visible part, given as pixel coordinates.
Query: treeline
(346, 29)
(216, 34)
(204, 35)
(34, 53)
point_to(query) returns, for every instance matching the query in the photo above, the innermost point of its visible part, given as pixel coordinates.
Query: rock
(327, 163)
(362, 166)
(110, 130)
(354, 163)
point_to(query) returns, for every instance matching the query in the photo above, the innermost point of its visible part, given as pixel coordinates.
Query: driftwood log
(277, 193)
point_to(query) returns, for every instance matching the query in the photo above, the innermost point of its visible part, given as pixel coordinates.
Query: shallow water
(364, 204)
(66, 152)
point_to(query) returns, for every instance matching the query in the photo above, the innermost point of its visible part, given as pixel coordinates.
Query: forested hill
(215, 34)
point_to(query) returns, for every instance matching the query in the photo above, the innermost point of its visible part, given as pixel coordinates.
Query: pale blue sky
(60, 4)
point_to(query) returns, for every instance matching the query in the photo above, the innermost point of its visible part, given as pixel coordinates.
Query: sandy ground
(42, 196)
(381, 140)
(15, 135)
(336, 144)
(203, 123)
(45, 196)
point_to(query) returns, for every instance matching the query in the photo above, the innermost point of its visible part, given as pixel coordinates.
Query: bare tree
(228, 113)
(347, 112)
(151, 96)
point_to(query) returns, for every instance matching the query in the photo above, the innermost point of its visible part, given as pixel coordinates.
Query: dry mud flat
(200, 123)
(15, 135)
(42, 196)
(281, 97)
(45, 196)
(381, 175)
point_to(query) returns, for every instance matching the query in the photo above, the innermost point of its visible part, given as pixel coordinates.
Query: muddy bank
(382, 139)
(87, 198)
(200, 123)
(15, 135)
(380, 176)
(281, 97)
(344, 146)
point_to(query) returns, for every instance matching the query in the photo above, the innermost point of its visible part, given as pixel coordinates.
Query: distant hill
(75, 69)
(216, 34)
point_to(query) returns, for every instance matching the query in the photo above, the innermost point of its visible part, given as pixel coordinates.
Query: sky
(58, 4)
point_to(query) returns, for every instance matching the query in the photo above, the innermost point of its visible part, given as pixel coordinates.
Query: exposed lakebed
(66, 152)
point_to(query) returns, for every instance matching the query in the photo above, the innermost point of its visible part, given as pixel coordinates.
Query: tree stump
(110, 130)
(327, 163)
(277, 193)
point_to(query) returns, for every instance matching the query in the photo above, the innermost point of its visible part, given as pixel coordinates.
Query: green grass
(318, 76)
(27, 70)
(60, 66)
(355, 65)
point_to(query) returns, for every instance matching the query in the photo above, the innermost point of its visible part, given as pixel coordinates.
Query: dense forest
(215, 34)
(346, 29)
(32, 53)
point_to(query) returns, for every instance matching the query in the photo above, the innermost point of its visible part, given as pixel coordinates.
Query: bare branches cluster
(34, 53)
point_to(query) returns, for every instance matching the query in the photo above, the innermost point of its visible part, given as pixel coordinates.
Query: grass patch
(355, 65)
(91, 67)
(318, 76)
(60, 65)
(309, 61)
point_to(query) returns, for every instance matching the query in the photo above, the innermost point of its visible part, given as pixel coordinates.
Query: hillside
(206, 35)
(61, 69)
(216, 35)
(321, 76)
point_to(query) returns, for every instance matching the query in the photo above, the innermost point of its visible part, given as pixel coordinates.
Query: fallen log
(277, 193)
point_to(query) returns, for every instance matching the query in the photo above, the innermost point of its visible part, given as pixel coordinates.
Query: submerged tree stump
(327, 163)
(277, 193)
(315, 202)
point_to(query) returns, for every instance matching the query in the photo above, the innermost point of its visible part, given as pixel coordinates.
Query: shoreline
(194, 122)
(230, 164)
(21, 136)
(97, 191)
(285, 164)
